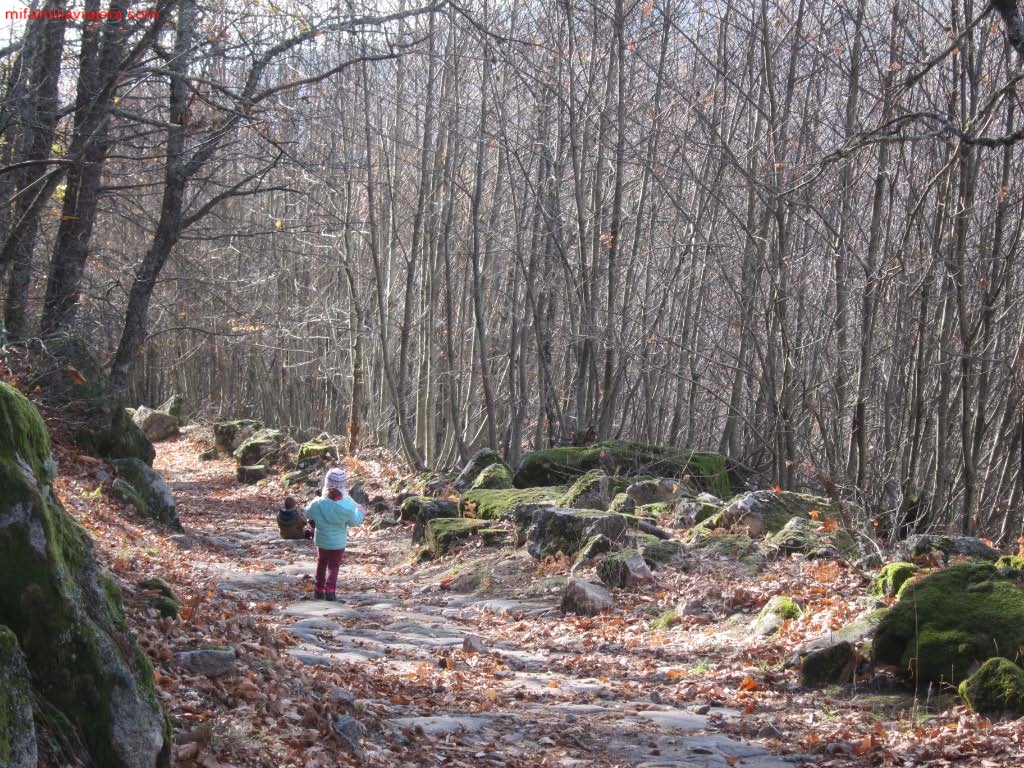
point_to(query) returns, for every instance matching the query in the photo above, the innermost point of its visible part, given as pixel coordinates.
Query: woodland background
(781, 229)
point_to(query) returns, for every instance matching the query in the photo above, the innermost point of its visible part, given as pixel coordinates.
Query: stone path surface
(403, 623)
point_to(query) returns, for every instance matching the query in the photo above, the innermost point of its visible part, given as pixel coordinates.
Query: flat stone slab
(440, 726)
(674, 719)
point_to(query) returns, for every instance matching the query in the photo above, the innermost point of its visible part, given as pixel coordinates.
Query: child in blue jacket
(331, 515)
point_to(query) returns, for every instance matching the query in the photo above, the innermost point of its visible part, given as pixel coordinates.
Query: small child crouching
(290, 521)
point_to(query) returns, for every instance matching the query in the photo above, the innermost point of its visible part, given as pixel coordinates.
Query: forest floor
(467, 661)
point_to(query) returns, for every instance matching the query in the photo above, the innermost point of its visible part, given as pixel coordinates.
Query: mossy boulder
(55, 601)
(828, 666)
(251, 475)
(319, 448)
(265, 447)
(480, 461)
(891, 579)
(421, 510)
(174, 406)
(500, 503)
(155, 425)
(443, 533)
(622, 504)
(658, 552)
(160, 595)
(17, 727)
(950, 620)
(657, 490)
(815, 539)
(768, 511)
(228, 436)
(497, 476)
(624, 569)
(774, 613)
(557, 466)
(556, 529)
(995, 690)
(590, 491)
(964, 547)
(151, 488)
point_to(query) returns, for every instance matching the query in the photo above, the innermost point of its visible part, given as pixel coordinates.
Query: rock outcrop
(66, 613)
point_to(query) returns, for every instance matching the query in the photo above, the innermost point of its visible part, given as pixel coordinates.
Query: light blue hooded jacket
(333, 519)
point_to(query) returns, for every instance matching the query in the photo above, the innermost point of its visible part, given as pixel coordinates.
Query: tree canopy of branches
(780, 229)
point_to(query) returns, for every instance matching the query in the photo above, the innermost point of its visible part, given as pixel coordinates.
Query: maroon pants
(327, 563)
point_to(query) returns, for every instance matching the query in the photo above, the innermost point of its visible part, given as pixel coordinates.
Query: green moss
(622, 504)
(62, 612)
(114, 598)
(22, 433)
(122, 491)
(495, 477)
(445, 532)
(165, 606)
(615, 457)
(263, 447)
(891, 578)
(498, 503)
(590, 491)
(996, 689)
(314, 449)
(1013, 562)
(660, 551)
(949, 620)
(615, 571)
(784, 607)
(665, 620)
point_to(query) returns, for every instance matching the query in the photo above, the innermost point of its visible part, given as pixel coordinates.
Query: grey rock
(585, 599)
(473, 644)
(150, 486)
(349, 729)
(156, 425)
(625, 570)
(17, 728)
(967, 546)
(210, 662)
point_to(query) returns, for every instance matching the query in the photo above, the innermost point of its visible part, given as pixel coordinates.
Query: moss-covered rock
(174, 406)
(251, 475)
(891, 578)
(480, 461)
(1010, 563)
(17, 728)
(625, 569)
(951, 619)
(776, 611)
(265, 447)
(768, 511)
(661, 552)
(155, 425)
(500, 503)
(996, 689)
(497, 476)
(319, 448)
(622, 504)
(657, 490)
(556, 529)
(209, 454)
(161, 596)
(443, 533)
(150, 485)
(228, 436)
(815, 539)
(56, 603)
(827, 666)
(590, 491)
(556, 466)
(420, 510)
(967, 547)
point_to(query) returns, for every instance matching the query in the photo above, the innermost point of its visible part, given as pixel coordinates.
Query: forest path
(435, 676)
